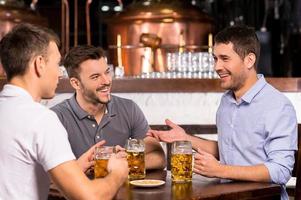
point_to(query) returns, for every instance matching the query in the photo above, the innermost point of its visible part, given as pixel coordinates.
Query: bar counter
(137, 85)
(201, 188)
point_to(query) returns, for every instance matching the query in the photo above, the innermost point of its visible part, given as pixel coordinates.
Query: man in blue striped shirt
(257, 125)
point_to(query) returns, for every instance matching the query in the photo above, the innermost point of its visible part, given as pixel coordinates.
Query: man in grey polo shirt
(92, 114)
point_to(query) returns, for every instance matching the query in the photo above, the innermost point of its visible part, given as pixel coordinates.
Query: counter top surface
(201, 188)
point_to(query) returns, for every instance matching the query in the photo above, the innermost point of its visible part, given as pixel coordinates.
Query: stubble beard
(92, 97)
(237, 82)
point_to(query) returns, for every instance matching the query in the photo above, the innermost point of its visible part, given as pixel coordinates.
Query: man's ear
(250, 60)
(39, 65)
(75, 83)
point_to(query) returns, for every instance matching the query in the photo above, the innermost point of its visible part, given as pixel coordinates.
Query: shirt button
(97, 137)
(232, 125)
(93, 125)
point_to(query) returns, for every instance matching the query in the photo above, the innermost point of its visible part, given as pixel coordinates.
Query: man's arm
(208, 146)
(258, 173)
(177, 133)
(207, 165)
(74, 184)
(154, 154)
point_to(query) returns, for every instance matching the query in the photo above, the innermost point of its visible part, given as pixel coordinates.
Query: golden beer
(136, 162)
(100, 168)
(181, 167)
(102, 155)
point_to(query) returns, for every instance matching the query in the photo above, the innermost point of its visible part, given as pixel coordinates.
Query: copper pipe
(88, 21)
(210, 43)
(63, 34)
(75, 23)
(67, 25)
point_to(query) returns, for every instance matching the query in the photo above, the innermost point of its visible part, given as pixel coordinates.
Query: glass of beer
(181, 161)
(102, 155)
(136, 158)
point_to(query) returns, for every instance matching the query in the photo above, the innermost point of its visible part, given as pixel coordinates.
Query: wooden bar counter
(200, 188)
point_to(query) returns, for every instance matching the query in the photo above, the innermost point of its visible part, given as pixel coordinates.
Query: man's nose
(217, 65)
(105, 79)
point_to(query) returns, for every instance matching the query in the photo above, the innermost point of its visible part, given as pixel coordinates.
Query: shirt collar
(252, 92)
(81, 114)
(10, 90)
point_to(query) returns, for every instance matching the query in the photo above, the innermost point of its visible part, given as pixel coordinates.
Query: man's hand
(175, 134)
(86, 160)
(118, 164)
(206, 164)
(118, 148)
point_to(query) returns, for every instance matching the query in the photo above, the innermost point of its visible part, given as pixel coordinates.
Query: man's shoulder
(272, 93)
(61, 107)
(274, 100)
(122, 101)
(39, 113)
(124, 105)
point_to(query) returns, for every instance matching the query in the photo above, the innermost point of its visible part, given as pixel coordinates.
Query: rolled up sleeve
(281, 143)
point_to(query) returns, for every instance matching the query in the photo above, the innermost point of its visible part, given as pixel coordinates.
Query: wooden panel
(192, 129)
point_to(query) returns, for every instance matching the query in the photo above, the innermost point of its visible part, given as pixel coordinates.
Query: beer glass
(136, 158)
(181, 161)
(102, 155)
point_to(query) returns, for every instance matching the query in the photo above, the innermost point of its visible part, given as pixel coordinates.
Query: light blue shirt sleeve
(281, 143)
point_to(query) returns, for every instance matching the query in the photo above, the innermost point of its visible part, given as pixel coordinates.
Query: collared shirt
(32, 142)
(122, 120)
(259, 129)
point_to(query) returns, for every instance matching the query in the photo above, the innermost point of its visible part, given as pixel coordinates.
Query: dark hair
(78, 55)
(21, 44)
(243, 38)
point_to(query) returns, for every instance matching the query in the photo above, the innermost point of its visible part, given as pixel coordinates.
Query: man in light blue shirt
(257, 125)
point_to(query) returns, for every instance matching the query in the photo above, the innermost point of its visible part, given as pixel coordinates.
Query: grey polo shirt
(123, 119)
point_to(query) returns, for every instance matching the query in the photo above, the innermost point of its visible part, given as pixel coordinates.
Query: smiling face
(236, 73)
(229, 66)
(95, 81)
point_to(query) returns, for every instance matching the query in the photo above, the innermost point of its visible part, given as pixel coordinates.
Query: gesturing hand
(206, 164)
(175, 134)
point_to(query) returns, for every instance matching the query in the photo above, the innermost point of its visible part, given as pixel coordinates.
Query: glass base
(136, 177)
(181, 180)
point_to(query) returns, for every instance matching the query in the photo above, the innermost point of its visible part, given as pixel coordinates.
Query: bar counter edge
(128, 85)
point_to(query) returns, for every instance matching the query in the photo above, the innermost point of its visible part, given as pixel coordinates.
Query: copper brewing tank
(176, 23)
(13, 12)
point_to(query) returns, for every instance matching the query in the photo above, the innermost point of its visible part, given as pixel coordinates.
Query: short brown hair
(21, 44)
(243, 38)
(80, 54)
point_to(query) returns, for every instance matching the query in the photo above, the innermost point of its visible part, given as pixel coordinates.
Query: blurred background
(145, 35)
